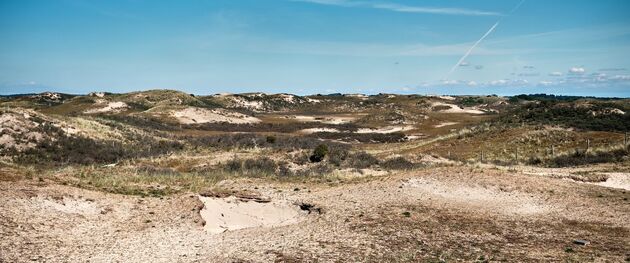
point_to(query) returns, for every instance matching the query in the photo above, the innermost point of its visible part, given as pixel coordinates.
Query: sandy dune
(194, 115)
(115, 106)
(456, 109)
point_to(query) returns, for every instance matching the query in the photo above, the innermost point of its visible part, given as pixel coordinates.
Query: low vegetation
(585, 115)
(583, 158)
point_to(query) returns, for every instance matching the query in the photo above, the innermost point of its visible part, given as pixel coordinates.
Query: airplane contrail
(481, 39)
(473, 47)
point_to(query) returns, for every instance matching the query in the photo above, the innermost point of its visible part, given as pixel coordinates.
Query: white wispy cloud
(403, 8)
(577, 70)
(434, 10)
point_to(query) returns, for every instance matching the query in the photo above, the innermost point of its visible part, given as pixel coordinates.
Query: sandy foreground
(450, 214)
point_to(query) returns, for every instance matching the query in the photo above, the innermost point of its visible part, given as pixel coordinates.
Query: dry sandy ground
(384, 130)
(115, 106)
(192, 115)
(451, 214)
(456, 109)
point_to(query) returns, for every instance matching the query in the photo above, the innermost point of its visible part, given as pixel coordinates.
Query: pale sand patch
(446, 97)
(231, 213)
(288, 98)
(607, 111)
(358, 173)
(477, 197)
(456, 109)
(445, 124)
(97, 94)
(356, 95)
(194, 115)
(388, 129)
(314, 130)
(616, 180)
(415, 136)
(68, 205)
(243, 103)
(114, 106)
(322, 119)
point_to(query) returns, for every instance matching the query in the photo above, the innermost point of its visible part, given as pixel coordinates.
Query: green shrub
(319, 153)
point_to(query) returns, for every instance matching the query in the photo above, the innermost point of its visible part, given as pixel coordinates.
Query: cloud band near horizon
(403, 8)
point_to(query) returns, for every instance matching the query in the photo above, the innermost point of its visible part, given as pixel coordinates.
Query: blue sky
(574, 47)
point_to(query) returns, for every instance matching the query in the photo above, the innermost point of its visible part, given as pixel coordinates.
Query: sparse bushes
(338, 156)
(85, 151)
(261, 165)
(319, 169)
(441, 107)
(269, 127)
(362, 160)
(471, 101)
(362, 137)
(155, 170)
(250, 140)
(397, 163)
(581, 158)
(594, 115)
(257, 166)
(145, 123)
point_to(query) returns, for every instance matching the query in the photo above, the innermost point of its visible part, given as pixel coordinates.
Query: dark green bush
(319, 153)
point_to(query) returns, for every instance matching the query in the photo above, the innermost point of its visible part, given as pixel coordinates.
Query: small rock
(581, 242)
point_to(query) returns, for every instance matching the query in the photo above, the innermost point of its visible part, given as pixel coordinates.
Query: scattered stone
(310, 208)
(581, 242)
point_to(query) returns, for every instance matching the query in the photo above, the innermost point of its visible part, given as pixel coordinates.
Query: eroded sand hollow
(232, 213)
